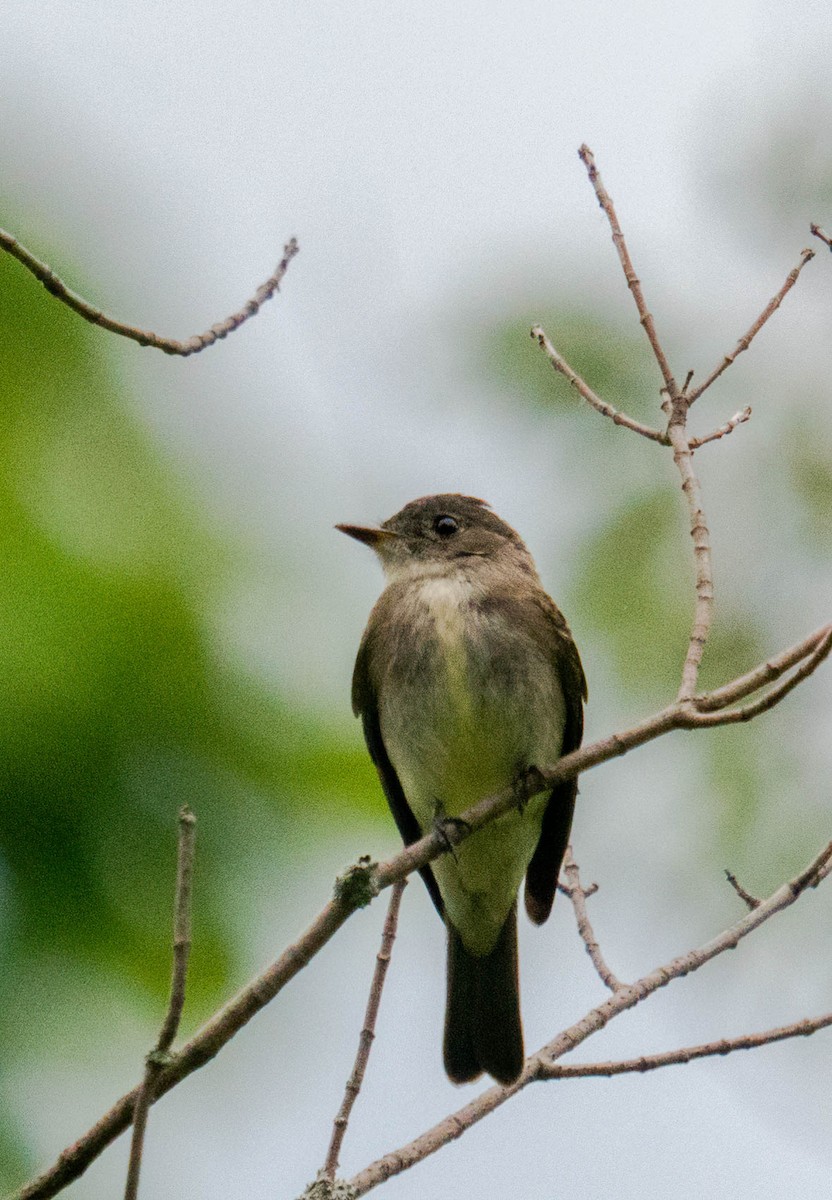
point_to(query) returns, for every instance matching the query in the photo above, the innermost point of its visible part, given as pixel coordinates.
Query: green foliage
(633, 588)
(116, 705)
(616, 364)
(809, 471)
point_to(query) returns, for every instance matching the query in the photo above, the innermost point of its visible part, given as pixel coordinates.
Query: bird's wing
(544, 868)
(365, 705)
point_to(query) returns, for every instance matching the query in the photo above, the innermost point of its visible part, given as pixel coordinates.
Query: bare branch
(651, 1062)
(703, 608)
(578, 894)
(767, 672)
(746, 897)
(219, 1030)
(820, 233)
(539, 1064)
(157, 1059)
(365, 1040)
(738, 418)
(747, 338)
(193, 345)
(562, 367)
(749, 711)
(605, 200)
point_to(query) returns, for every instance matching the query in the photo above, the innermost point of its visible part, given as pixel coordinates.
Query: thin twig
(747, 338)
(652, 1062)
(158, 1057)
(539, 1064)
(582, 387)
(231, 1018)
(738, 418)
(577, 894)
(703, 608)
(644, 316)
(193, 345)
(765, 673)
(820, 233)
(365, 1041)
(748, 711)
(746, 897)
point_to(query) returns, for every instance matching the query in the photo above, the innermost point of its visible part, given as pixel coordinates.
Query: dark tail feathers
(483, 1031)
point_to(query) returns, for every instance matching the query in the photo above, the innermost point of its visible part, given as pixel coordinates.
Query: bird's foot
(442, 827)
(528, 781)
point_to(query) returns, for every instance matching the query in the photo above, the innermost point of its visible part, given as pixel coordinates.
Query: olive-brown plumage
(466, 677)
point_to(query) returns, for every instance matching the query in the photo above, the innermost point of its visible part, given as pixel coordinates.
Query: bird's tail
(483, 1031)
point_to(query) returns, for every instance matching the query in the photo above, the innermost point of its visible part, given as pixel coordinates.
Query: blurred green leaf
(633, 587)
(116, 705)
(616, 365)
(808, 452)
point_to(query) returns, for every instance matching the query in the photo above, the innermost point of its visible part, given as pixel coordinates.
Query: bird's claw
(527, 782)
(442, 825)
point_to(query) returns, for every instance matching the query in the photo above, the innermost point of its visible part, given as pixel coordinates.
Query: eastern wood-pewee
(467, 677)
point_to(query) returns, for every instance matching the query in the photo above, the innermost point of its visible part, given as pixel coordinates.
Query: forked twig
(539, 1065)
(365, 1041)
(686, 1054)
(748, 711)
(234, 1015)
(158, 1057)
(578, 894)
(690, 711)
(200, 341)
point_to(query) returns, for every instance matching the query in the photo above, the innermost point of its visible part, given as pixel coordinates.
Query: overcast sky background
(425, 156)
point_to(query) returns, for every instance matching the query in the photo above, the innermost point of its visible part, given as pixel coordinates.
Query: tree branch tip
(818, 232)
(751, 901)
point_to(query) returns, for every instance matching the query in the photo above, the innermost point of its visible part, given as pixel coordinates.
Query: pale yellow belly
(482, 706)
(463, 752)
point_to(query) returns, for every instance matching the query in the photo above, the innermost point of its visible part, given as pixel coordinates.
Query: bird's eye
(445, 526)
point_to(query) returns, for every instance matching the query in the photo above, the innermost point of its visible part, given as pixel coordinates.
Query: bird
(466, 680)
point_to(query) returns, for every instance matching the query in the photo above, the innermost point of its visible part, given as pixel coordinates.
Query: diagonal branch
(813, 659)
(365, 1041)
(644, 316)
(739, 418)
(748, 337)
(228, 1021)
(582, 387)
(539, 1064)
(200, 341)
(651, 1062)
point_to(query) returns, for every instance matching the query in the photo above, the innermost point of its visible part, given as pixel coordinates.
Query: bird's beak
(371, 535)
